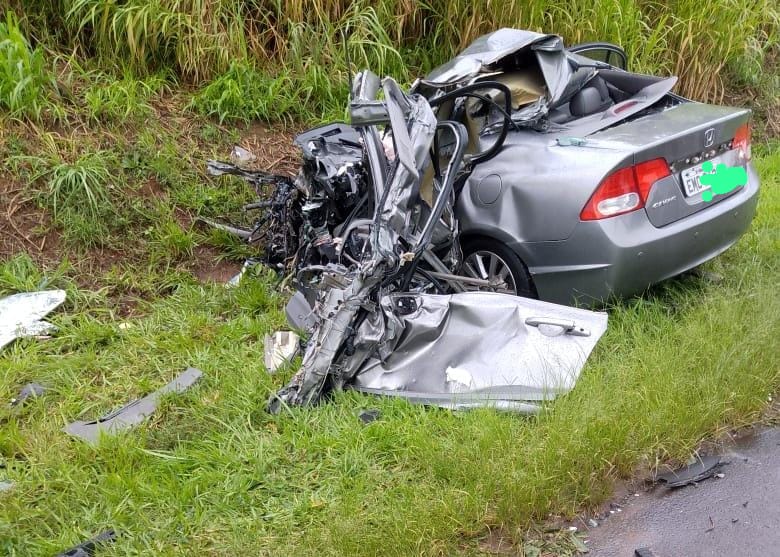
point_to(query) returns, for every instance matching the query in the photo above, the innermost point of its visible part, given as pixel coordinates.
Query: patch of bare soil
(24, 227)
(207, 266)
(273, 148)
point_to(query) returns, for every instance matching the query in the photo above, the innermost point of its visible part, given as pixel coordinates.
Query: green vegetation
(108, 111)
(298, 45)
(212, 473)
(24, 78)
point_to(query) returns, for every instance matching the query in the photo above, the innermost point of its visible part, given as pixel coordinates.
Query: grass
(25, 79)
(294, 49)
(211, 472)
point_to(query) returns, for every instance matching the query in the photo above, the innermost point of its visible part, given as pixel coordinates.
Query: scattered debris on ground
(21, 314)
(30, 390)
(280, 348)
(133, 413)
(701, 469)
(369, 415)
(88, 548)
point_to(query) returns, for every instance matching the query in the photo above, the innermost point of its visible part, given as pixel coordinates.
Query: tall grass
(203, 39)
(25, 80)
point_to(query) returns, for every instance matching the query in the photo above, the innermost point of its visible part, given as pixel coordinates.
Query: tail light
(624, 190)
(742, 142)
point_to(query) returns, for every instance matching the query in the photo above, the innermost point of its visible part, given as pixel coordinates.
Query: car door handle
(568, 326)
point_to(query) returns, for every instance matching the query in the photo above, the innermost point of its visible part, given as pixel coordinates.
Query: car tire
(489, 251)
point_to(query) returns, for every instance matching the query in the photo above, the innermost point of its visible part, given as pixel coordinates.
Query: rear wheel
(493, 261)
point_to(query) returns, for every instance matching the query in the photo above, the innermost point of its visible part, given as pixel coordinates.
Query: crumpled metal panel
(414, 126)
(21, 314)
(562, 77)
(485, 50)
(479, 349)
(413, 146)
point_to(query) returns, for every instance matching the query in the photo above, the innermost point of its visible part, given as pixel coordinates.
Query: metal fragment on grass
(280, 348)
(30, 390)
(21, 314)
(703, 468)
(241, 156)
(88, 548)
(133, 413)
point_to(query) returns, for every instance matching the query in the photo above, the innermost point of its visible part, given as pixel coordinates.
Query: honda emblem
(709, 137)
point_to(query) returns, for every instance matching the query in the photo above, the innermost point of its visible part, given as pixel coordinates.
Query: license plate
(691, 178)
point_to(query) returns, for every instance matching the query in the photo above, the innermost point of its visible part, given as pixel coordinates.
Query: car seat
(592, 98)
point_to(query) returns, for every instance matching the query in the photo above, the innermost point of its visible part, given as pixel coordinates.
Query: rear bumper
(623, 255)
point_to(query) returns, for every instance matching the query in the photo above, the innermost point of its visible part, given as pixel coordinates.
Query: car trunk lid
(695, 139)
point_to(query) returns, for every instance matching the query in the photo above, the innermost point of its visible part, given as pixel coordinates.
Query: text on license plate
(691, 178)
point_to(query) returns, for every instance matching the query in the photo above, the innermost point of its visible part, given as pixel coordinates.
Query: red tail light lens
(742, 142)
(624, 190)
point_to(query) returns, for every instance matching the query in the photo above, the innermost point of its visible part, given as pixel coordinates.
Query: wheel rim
(489, 266)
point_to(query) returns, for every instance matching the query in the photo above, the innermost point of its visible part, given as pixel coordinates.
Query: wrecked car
(369, 232)
(588, 180)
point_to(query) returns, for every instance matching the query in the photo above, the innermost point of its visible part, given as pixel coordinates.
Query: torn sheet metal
(345, 295)
(30, 390)
(486, 50)
(497, 53)
(480, 349)
(21, 314)
(279, 349)
(133, 413)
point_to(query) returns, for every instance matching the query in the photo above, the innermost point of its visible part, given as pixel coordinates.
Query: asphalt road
(737, 515)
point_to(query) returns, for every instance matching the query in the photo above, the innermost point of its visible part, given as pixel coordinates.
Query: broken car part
(133, 413)
(369, 415)
(372, 239)
(643, 552)
(21, 314)
(280, 348)
(703, 468)
(30, 390)
(88, 548)
(479, 349)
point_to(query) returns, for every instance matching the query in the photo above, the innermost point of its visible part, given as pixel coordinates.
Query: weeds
(25, 80)
(80, 187)
(245, 94)
(403, 39)
(122, 99)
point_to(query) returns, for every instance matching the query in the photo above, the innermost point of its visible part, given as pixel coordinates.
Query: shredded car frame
(369, 230)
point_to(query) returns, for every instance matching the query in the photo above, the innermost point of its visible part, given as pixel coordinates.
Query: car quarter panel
(534, 189)
(625, 254)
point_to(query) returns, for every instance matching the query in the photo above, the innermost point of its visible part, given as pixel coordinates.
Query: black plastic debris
(87, 548)
(705, 467)
(643, 552)
(133, 413)
(369, 415)
(30, 390)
